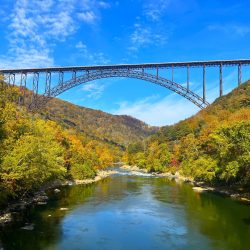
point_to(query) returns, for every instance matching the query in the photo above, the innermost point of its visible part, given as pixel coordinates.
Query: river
(131, 212)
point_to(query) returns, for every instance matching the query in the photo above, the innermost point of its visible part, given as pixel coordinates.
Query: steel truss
(99, 74)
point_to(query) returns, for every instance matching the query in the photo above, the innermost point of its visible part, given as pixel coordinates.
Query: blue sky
(83, 32)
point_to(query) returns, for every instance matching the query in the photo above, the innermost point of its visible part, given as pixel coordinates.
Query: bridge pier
(23, 84)
(172, 73)
(239, 75)
(60, 79)
(221, 81)
(35, 86)
(12, 79)
(204, 83)
(188, 77)
(48, 83)
(74, 75)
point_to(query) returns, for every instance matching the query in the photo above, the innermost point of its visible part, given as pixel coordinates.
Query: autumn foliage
(35, 151)
(213, 146)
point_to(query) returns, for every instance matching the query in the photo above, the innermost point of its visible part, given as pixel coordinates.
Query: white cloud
(144, 36)
(240, 30)
(81, 45)
(153, 111)
(27, 58)
(34, 27)
(90, 10)
(104, 5)
(93, 89)
(88, 57)
(88, 16)
(154, 10)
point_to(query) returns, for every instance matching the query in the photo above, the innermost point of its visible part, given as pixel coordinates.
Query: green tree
(230, 145)
(32, 162)
(82, 171)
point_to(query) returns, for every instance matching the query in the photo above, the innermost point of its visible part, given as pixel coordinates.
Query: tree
(32, 162)
(231, 146)
(158, 157)
(82, 171)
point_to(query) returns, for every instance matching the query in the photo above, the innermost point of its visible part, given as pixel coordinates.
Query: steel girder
(99, 74)
(166, 65)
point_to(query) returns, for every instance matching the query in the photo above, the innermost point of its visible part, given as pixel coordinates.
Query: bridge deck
(131, 66)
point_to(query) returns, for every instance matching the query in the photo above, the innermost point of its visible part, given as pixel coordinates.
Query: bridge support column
(74, 75)
(157, 73)
(35, 86)
(188, 77)
(239, 75)
(61, 76)
(204, 83)
(221, 81)
(48, 83)
(23, 83)
(172, 73)
(12, 79)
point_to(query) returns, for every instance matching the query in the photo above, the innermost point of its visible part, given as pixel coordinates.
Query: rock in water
(5, 218)
(41, 203)
(64, 209)
(57, 190)
(28, 227)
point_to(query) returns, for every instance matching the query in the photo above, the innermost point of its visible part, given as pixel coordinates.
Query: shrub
(82, 171)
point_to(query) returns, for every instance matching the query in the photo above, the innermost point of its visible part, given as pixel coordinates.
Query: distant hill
(219, 111)
(115, 129)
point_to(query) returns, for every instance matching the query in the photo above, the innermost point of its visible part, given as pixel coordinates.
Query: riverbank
(12, 209)
(197, 186)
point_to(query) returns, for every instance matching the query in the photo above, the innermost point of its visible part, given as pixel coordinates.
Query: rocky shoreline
(40, 198)
(197, 186)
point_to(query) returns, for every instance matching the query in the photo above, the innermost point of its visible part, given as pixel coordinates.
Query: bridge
(51, 82)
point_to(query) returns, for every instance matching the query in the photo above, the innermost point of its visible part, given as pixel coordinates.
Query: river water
(131, 212)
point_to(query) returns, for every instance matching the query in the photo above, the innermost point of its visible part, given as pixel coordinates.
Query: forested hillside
(60, 141)
(119, 130)
(35, 151)
(212, 146)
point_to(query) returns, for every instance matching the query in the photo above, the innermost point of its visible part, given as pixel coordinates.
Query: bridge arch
(89, 76)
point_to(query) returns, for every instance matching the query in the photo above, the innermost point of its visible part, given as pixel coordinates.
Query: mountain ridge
(238, 98)
(117, 129)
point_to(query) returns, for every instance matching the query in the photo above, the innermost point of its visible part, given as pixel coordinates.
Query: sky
(97, 32)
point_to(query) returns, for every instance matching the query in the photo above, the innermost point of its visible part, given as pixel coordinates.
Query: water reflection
(132, 212)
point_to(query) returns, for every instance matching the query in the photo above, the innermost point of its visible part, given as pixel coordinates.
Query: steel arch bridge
(75, 81)
(44, 88)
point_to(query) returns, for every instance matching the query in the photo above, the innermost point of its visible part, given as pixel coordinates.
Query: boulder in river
(203, 189)
(5, 218)
(29, 227)
(41, 203)
(64, 209)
